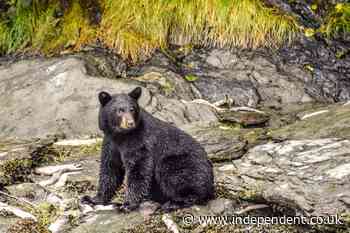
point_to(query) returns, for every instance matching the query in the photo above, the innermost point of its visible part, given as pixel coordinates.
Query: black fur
(161, 162)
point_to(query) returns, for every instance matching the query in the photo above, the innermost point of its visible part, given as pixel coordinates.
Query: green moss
(92, 149)
(153, 225)
(254, 136)
(253, 194)
(332, 124)
(79, 187)
(66, 153)
(16, 170)
(27, 226)
(345, 217)
(22, 157)
(46, 213)
(168, 87)
(230, 126)
(221, 191)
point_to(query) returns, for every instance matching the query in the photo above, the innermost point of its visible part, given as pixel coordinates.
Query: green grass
(45, 31)
(135, 28)
(337, 23)
(26, 26)
(74, 30)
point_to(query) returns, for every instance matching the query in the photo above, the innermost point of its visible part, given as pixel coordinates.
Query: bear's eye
(121, 110)
(132, 109)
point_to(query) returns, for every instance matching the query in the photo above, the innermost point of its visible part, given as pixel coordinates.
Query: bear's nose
(130, 124)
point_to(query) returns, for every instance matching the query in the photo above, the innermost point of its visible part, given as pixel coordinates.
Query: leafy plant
(337, 23)
(191, 78)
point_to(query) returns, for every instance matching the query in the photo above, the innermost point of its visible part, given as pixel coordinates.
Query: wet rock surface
(330, 75)
(294, 177)
(306, 71)
(309, 177)
(249, 78)
(278, 142)
(322, 122)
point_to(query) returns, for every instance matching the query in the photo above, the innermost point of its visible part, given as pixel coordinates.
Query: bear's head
(119, 113)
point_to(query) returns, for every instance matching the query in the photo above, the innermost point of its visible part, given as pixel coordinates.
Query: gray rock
(245, 119)
(249, 79)
(19, 158)
(221, 145)
(6, 222)
(309, 177)
(333, 122)
(29, 191)
(109, 222)
(41, 97)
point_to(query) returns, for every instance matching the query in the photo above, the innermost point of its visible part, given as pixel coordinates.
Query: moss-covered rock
(19, 159)
(27, 226)
(153, 225)
(79, 187)
(46, 213)
(333, 121)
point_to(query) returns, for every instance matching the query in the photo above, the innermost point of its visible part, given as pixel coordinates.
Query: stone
(334, 121)
(248, 79)
(309, 177)
(57, 96)
(221, 145)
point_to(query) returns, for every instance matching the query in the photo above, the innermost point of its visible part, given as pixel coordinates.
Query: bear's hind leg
(185, 180)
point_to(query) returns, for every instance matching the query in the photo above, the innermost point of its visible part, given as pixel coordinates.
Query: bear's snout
(127, 121)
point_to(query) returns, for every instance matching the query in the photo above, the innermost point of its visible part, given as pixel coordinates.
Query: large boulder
(320, 122)
(306, 177)
(57, 96)
(248, 78)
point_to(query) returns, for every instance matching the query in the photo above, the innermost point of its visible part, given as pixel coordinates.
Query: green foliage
(29, 25)
(338, 21)
(134, 28)
(79, 187)
(45, 31)
(191, 78)
(16, 170)
(46, 213)
(19, 27)
(3, 37)
(75, 29)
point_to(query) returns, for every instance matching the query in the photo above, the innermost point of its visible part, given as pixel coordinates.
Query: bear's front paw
(128, 207)
(91, 200)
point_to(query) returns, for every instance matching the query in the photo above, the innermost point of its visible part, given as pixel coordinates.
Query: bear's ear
(104, 98)
(136, 93)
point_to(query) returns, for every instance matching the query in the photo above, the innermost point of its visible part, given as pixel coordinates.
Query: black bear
(160, 162)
